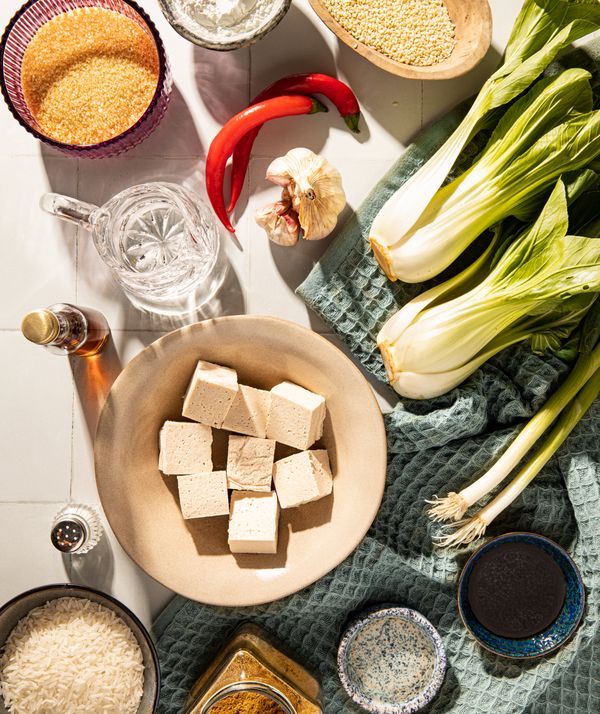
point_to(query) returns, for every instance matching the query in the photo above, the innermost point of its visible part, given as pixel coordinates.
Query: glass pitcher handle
(69, 209)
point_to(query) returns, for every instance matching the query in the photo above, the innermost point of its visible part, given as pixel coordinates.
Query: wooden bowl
(473, 21)
(142, 506)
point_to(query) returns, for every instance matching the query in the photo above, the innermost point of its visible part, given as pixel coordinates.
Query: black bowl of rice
(69, 649)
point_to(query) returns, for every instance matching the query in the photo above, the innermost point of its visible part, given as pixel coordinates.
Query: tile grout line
(73, 386)
(32, 503)
(77, 233)
(72, 469)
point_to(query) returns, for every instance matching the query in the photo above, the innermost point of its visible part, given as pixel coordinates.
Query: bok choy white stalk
(542, 135)
(576, 185)
(543, 282)
(542, 29)
(476, 526)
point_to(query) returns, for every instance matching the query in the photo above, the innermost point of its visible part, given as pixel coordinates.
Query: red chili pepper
(225, 141)
(337, 92)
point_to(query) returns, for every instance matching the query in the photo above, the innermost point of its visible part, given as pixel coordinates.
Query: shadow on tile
(402, 106)
(62, 173)
(301, 38)
(175, 137)
(93, 378)
(223, 81)
(300, 34)
(441, 96)
(295, 262)
(94, 569)
(228, 300)
(394, 102)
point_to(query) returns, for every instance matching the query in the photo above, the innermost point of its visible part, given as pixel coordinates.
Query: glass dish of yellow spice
(87, 76)
(252, 674)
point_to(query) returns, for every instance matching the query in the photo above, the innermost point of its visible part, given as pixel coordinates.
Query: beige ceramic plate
(142, 507)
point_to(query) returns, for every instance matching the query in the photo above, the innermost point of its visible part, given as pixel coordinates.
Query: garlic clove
(314, 187)
(282, 170)
(280, 222)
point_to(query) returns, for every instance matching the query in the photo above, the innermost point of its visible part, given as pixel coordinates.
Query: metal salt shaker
(76, 529)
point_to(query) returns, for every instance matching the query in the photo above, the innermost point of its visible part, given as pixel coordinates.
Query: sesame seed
(416, 32)
(88, 75)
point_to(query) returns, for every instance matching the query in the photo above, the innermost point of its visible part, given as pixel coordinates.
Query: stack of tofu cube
(288, 414)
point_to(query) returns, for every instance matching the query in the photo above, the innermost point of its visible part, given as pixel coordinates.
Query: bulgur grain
(417, 32)
(88, 75)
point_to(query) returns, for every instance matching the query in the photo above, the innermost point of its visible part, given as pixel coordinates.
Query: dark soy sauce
(516, 590)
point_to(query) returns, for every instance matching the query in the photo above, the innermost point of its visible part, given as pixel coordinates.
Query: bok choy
(543, 28)
(541, 285)
(547, 132)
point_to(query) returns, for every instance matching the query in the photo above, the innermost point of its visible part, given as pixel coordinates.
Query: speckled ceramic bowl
(391, 660)
(553, 636)
(188, 27)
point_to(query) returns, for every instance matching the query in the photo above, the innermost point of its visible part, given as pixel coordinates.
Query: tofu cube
(210, 394)
(250, 463)
(302, 478)
(249, 411)
(203, 495)
(253, 522)
(185, 448)
(295, 416)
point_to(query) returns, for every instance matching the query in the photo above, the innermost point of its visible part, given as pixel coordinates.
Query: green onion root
(450, 508)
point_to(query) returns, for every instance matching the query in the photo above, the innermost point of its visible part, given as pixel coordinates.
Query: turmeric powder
(246, 703)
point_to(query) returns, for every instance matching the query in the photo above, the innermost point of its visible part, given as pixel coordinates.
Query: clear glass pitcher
(158, 239)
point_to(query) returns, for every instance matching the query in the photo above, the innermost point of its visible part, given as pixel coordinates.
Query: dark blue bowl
(559, 631)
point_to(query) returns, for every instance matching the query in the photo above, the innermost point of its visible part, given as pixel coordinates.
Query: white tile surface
(38, 251)
(29, 560)
(48, 420)
(35, 422)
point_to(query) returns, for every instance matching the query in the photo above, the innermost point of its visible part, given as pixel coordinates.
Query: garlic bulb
(280, 221)
(315, 188)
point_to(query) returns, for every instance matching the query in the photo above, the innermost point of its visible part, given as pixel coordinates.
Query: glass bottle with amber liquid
(66, 329)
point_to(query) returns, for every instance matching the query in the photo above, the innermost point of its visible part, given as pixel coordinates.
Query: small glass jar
(252, 664)
(65, 329)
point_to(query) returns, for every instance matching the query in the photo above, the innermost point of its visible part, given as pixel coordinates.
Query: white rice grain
(71, 656)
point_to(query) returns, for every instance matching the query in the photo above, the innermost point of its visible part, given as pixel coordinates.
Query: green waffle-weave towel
(435, 446)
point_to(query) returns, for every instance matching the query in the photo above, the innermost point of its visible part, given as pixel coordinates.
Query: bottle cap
(40, 326)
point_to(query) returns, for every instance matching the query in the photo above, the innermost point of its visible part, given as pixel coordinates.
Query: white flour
(228, 19)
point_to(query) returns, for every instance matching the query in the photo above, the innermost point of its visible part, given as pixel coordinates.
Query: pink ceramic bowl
(19, 32)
